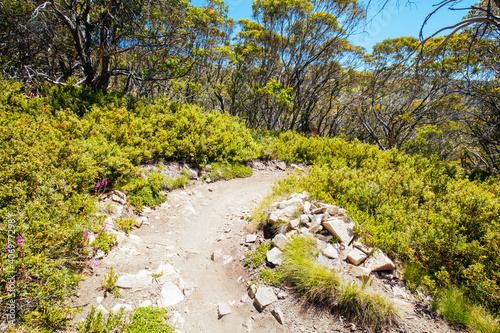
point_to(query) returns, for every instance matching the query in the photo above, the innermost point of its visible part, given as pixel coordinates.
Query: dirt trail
(185, 232)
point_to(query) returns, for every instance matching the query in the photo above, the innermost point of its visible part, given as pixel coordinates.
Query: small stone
(116, 198)
(340, 229)
(102, 309)
(330, 252)
(145, 304)
(226, 259)
(252, 289)
(387, 276)
(275, 256)
(119, 194)
(304, 218)
(263, 297)
(250, 238)
(280, 241)
(356, 256)
(125, 307)
(223, 309)
(307, 208)
(216, 255)
(281, 165)
(139, 280)
(282, 294)
(294, 224)
(278, 315)
(319, 210)
(290, 234)
(99, 254)
(140, 221)
(99, 300)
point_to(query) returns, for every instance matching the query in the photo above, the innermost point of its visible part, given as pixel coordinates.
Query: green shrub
(108, 283)
(145, 191)
(95, 323)
(225, 170)
(125, 224)
(149, 320)
(258, 256)
(271, 276)
(322, 285)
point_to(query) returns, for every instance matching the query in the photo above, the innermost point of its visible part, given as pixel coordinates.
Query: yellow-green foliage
(419, 209)
(225, 170)
(54, 150)
(257, 257)
(324, 286)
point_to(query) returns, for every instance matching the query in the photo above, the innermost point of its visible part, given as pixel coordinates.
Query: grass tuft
(322, 285)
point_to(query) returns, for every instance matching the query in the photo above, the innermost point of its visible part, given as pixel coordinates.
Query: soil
(203, 219)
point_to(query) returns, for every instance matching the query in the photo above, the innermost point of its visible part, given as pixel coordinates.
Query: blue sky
(394, 21)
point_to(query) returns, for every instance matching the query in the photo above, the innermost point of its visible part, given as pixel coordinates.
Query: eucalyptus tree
(94, 41)
(290, 58)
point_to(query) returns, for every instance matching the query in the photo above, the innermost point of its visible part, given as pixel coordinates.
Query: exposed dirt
(184, 232)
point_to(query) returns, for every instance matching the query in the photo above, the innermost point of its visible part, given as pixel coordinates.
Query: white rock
(125, 307)
(330, 209)
(318, 210)
(356, 256)
(344, 251)
(250, 238)
(99, 254)
(358, 271)
(339, 229)
(140, 221)
(145, 304)
(294, 202)
(119, 194)
(278, 315)
(263, 297)
(282, 295)
(290, 234)
(226, 259)
(146, 210)
(139, 280)
(282, 216)
(378, 261)
(280, 241)
(294, 224)
(116, 198)
(252, 289)
(281, 165)
(168, 273)
(362, 247)
(275, 256)
(223, 309)
(99, 300)
(170, 295)
(102, 309)
(330, 252)
(307, 208)
(304, 218)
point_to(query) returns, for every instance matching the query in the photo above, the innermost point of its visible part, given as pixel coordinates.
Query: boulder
(304, 218)
(250, 238)
(275, 256)
(330, 209)
(280, 241)
(330, 252)
(223, 309)
(340, 229)
(263, 297)
(168, 273)
(282, 216)
(170, 295)
(139, 280)
(356, 256)
(358, 271)
(294, 224)
(378, 261)
(293, 202)
(278, 315)
(318, 210)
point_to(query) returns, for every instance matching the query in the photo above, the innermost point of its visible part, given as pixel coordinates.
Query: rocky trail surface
(188, 256)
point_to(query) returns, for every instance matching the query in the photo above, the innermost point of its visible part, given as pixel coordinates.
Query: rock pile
(333, 230)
